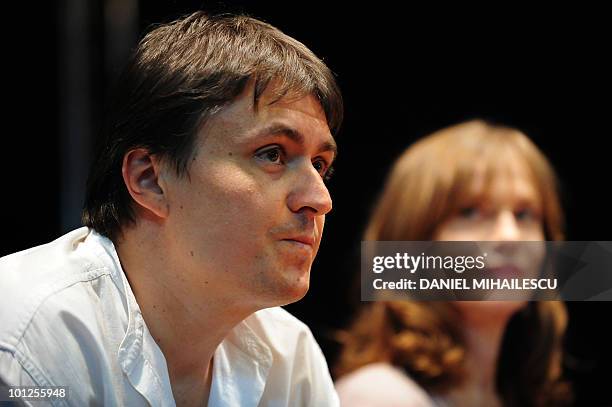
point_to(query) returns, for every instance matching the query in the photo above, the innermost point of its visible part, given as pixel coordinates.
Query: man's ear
(141, 172)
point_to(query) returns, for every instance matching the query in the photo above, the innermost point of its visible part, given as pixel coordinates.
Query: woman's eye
(525, 214)
(272, 155)
(468, 212)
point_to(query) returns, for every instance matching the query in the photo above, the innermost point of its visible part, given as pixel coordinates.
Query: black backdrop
(404, 72)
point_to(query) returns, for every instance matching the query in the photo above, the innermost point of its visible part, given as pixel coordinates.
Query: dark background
(404, 71)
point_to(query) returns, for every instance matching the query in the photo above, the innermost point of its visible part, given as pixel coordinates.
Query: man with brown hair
(204, 211)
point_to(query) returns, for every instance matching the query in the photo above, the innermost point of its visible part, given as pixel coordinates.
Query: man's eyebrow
(296, 136)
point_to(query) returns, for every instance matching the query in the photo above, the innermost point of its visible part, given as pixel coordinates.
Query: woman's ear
(141, 172)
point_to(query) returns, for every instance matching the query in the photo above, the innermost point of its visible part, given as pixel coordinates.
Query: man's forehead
(277, 103)
(306, 104)
(277, 95)
(325, 141)
(300, 118)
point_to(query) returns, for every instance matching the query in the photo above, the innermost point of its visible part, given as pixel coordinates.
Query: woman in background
(472, 182)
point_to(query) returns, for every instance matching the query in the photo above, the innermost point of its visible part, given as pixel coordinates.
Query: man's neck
(188, 319)
(193, 390)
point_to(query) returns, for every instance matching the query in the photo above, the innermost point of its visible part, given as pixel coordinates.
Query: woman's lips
(505, 271)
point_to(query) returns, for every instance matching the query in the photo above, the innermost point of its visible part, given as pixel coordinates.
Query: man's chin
(294, 288)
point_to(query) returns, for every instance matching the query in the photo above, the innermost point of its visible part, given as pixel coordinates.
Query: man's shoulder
(42, 282)
(44, 262)
(297, 366)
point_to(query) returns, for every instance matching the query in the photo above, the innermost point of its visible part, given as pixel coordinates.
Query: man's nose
(506, 227)
(309, 193)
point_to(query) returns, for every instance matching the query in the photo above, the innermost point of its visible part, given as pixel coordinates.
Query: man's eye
(272, 155)
(323, 168)
(320, 166)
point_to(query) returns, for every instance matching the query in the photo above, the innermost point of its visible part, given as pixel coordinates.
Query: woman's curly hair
(426, 185)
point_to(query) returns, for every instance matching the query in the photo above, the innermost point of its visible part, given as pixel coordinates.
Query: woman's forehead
(503, 180)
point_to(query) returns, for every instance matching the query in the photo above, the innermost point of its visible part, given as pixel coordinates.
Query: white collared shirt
(68, 317)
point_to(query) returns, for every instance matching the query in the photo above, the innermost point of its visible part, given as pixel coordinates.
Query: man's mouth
(302, 240)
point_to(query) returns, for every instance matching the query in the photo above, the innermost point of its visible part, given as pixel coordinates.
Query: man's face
(249, 218)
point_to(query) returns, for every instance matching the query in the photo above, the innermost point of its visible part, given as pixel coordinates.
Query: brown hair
(429, 183)
(180, 74)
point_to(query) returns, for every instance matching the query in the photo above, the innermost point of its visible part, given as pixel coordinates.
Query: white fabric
(68, 317)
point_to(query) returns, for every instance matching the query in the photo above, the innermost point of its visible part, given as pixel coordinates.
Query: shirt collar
(241, 363)
(139, 356)
(241, 367)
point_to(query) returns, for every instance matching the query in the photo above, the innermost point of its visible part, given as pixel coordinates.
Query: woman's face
(507, 213)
